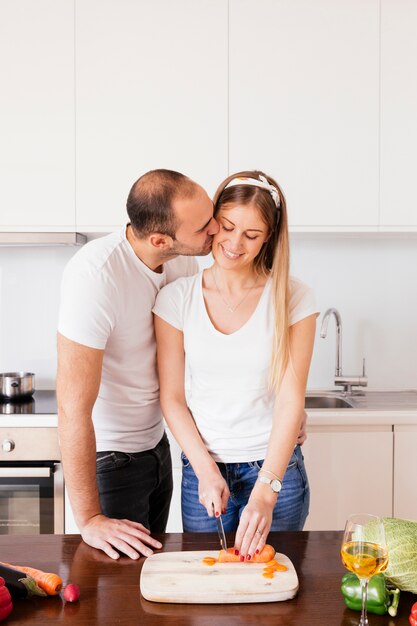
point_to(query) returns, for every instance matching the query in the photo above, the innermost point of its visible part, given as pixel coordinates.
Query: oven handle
(25, 472)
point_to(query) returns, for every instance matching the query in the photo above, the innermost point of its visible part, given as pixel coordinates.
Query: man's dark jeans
(137, 486)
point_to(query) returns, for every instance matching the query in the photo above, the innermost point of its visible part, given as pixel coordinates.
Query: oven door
(31, 498)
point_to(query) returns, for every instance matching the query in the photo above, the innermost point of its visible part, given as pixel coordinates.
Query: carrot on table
(50, 583)
(266, 554)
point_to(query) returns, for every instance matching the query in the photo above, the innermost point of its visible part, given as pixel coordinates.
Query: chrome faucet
(323, 335)
(347, 382)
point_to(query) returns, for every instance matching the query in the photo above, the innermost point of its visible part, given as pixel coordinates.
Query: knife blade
(220, 529)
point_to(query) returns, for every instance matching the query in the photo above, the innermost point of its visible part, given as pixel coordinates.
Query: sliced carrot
(209, 560)
(275, 566)
(280, 568)
(268, 574)
(229, 556)
(50, 583)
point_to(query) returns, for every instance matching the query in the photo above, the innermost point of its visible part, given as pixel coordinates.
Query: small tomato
(72, 593)
(414, 610)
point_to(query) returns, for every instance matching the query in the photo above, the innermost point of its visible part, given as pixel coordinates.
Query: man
(114, 451)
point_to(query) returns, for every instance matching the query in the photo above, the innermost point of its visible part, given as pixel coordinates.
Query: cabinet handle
(25, 472)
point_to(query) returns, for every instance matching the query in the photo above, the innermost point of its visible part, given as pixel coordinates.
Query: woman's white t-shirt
(228, 392)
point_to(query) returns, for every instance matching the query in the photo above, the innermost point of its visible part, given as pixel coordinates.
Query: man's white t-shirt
(107, 295)
(229, 396)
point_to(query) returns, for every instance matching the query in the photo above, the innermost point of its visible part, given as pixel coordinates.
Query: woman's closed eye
(229, 230)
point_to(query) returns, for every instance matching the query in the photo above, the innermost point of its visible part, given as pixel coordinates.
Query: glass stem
(364, 615)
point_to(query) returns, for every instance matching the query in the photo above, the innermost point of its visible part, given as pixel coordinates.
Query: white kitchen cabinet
(174, 521)
(70, 526)
(304, 105)
(151, 92)
(398, 114)
(405, 471)
(37, 115)
(350, 471)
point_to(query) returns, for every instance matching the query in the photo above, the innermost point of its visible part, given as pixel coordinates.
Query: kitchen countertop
(370, 408)
(110, 589)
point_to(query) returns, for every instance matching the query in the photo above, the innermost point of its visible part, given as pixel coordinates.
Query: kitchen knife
(220, 529)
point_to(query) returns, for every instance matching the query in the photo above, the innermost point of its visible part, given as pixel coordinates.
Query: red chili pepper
(413, 615)
(6, 605)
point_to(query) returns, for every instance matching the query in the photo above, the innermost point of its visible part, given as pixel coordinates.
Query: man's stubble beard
(179, 249)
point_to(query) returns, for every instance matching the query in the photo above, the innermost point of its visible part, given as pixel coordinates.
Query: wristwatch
(274, 483)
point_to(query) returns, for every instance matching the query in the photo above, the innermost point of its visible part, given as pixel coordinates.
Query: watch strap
(269, 481)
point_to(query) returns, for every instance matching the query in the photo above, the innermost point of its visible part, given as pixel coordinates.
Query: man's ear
(161, 241)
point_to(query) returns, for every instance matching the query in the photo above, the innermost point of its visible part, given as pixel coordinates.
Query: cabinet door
(398, 113)
(175, 520)
(350, 471)
(405, 472)
(304, 104)
(37, 115)
(70, 525)
(174, 524)
(151, 92)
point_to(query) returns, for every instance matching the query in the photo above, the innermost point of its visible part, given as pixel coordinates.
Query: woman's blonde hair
(273, 258)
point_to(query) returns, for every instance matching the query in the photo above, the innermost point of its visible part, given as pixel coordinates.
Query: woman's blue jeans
(290, 512)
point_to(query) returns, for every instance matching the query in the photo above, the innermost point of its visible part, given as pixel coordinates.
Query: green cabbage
(401, 536)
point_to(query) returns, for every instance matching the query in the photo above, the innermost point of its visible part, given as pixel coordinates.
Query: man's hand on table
(115, 536)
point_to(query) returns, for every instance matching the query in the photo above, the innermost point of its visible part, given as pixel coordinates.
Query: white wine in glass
(364, 552)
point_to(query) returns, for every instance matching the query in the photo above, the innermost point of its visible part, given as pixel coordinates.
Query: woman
(244, 331)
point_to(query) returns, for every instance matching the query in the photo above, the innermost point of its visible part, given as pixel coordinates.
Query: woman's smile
(229, 254)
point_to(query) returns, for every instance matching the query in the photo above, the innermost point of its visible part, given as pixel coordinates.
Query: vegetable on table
(50, 583)
(380, 601)
(401, 536)
(412, 618)
(20, 584)
(228, 556)
(72, 593)
(6, 605)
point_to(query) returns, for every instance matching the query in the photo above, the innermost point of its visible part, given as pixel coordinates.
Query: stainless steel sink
(327, 402)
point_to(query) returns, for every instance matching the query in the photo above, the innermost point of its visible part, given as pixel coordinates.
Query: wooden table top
(110, 589)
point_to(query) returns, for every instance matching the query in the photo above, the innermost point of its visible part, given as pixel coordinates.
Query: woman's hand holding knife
(213, 490)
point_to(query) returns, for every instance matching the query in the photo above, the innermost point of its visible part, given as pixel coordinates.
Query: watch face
(276, 485)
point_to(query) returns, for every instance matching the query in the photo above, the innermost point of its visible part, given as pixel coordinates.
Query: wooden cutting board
(183, 577)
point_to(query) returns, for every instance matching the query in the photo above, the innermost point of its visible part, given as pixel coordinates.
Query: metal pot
(16, 385)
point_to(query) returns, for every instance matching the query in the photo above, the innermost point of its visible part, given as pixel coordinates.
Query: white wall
(372, 281)
(29, 299)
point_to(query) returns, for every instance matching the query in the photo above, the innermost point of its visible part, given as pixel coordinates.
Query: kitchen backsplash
(372, 281)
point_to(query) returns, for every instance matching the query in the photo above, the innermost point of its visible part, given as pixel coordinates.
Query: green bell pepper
(380, 599)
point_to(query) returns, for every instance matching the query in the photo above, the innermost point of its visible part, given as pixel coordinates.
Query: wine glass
(364, 552)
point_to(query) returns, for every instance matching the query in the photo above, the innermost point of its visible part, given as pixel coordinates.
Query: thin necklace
(230, 308)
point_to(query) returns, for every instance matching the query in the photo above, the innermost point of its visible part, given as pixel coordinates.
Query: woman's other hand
(213, 490)
(255, 523)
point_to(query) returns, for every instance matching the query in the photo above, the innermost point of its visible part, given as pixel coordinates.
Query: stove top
(43, 402)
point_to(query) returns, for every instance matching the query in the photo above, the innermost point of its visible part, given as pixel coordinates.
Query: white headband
(255, 182)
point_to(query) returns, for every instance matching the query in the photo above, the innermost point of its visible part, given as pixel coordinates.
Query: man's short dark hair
(150, 201)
